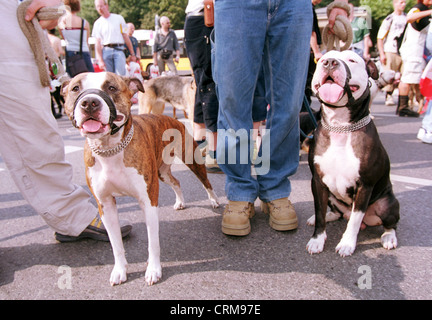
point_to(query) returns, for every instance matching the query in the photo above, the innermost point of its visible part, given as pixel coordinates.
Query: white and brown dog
(350, 167)
(176, 90)
(124, 156)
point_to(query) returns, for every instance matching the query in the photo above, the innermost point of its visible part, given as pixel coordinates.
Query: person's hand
(333, 14)
(36, 5)
(383, 59)
(101, 64)
(177, 59)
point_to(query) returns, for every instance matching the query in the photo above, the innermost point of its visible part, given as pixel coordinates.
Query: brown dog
(127, 155)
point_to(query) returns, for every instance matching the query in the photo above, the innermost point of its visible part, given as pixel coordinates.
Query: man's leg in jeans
(238, 55)
(119, 63)
(285, 69)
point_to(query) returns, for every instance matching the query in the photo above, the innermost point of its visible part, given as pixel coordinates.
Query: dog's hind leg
(201, 173)
(166, 176)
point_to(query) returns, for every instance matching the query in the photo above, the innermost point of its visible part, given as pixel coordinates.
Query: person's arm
(367, 44)
(87, 27)
(129, 45)
(99, 55)
(411, 17)
(315, 47)
(380, 45)
(176, 48)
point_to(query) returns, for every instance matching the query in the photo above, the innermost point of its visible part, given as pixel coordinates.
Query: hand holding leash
(32, 17)
(339, 27)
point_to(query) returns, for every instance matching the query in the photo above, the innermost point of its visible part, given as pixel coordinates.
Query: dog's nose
(90, 104)
(330, 63)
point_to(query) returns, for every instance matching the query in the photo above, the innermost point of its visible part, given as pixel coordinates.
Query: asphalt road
(201, 263)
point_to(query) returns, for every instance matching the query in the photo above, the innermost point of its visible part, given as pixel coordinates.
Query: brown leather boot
(235, 219)
(282, 214)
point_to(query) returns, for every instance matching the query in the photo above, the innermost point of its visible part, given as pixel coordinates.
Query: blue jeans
(115, 60)
(250, 35)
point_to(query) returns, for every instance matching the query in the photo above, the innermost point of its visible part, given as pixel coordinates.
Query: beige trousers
(30, 143)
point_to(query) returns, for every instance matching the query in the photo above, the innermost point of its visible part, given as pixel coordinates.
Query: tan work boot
(282, 214)
(235, 219)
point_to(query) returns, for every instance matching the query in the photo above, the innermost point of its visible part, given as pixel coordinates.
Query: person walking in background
(55, 90)
(411, 51)
(387, 41)
(134, 42)
(70, 30)
(110, 31)
(166, 43)
(361, 36)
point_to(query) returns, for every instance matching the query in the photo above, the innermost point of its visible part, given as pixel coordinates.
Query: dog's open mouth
(93, 126)
(329, 91)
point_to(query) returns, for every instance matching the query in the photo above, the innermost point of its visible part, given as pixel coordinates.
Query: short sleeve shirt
(110, 29)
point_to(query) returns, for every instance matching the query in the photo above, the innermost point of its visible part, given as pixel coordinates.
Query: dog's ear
(134, 85)
(64, 87)
(372, 69)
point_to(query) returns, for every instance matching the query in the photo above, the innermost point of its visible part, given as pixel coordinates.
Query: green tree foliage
(140, 12)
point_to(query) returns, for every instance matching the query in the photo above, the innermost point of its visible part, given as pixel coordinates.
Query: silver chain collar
(349, 128)
(115, 150)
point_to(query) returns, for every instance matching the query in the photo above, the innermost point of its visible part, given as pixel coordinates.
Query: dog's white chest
(109, 177)
(339, 166)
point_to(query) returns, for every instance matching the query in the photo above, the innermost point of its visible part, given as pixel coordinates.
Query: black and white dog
(350, 167)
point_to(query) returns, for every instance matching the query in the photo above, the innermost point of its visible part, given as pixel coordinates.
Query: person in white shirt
(110, 31)
(411, 51)
(387, 40)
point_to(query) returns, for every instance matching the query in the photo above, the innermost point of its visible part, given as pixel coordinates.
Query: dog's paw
(388, 239)
(311, 221)
(346, 246)
(179, 205)
(316, 245)
(214, 203)
(118, 275)
(153, 274)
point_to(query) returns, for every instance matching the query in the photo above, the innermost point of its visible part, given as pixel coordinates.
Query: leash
(311, 115)
(39, 42)
(342, 29)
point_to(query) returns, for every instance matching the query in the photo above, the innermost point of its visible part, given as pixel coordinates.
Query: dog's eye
(352, 60)
(75, 89)
(112, 88)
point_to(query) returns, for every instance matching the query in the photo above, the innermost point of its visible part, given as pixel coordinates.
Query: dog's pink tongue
(92, 126)
(330, 92)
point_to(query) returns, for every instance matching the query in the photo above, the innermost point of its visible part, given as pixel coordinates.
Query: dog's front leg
(348, 242)
(321, 196)
(154, 268)
(111, 222)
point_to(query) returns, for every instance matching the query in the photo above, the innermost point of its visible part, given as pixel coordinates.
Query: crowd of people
(242, 78)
